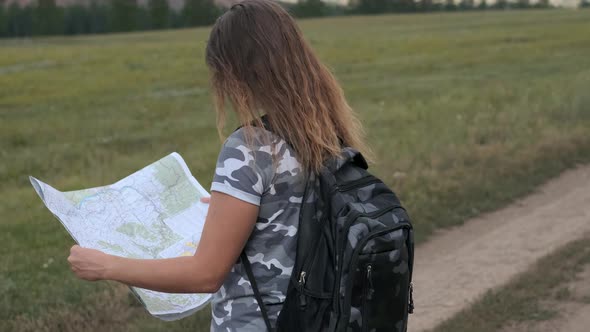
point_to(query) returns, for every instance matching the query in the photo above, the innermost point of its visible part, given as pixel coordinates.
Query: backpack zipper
(355, 214)
(367, 296)
(302, 299)
(355, 256)
(362, 182)
(374, 214)
(302, 278)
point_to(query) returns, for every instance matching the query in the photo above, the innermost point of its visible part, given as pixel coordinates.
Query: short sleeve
(243, 170)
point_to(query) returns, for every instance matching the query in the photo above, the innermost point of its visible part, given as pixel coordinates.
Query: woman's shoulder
(253, 138)
(262, 147)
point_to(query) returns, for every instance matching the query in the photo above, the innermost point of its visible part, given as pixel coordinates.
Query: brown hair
(260, 62)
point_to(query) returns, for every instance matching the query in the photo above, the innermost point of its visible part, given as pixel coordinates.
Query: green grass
(464, 111)
(531, 297)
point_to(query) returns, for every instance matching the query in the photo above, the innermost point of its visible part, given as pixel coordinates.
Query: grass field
(464, 111)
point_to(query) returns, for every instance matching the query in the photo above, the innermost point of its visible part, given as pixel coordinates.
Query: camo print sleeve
(244, 171)
(264, 172)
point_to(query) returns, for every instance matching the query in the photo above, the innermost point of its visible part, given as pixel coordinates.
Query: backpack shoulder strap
(248, 269)
(360, 161)
(265, 123)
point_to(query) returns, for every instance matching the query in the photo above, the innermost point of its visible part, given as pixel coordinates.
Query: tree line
(315, 8)
(45, 17)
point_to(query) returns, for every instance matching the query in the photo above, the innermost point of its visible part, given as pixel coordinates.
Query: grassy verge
(526, 298)
(465, 112)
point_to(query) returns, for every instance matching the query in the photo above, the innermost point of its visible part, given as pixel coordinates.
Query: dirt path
(458, 266)
(578, 322)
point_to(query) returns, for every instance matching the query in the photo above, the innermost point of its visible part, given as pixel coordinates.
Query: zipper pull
(302, 278)
(370, 280)
(411, 301)
(302, 297)
(302, 301)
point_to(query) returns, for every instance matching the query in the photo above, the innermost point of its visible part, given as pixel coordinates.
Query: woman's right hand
(206, 200)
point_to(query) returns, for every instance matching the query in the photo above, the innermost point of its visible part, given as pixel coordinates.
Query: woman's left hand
(88, 264)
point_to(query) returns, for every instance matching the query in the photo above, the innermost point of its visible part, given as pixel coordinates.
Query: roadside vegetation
(539, 295)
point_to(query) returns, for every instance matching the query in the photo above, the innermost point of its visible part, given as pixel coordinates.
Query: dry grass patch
(107, 310)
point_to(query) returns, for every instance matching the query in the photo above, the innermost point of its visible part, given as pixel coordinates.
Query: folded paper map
(153, 213)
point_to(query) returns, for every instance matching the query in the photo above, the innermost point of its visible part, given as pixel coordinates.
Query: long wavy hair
(260, 63)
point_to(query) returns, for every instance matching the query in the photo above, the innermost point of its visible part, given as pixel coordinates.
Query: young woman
(260, 64)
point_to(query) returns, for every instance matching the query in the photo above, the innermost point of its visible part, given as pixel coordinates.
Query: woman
(261, 64)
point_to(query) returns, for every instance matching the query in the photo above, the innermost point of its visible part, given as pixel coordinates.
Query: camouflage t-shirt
(267, 175)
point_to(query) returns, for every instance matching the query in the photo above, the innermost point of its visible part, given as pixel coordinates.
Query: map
(153, 213)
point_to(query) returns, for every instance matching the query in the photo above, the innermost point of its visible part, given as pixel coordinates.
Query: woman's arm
(227, 229)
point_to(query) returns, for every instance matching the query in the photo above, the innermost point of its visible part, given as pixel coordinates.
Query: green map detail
(113, 247)
(117, 249)
(77, 196)
(181, 194)
(134, 229)
(156, 304)
(160, 234)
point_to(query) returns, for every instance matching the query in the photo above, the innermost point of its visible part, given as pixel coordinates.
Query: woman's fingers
(206, 200)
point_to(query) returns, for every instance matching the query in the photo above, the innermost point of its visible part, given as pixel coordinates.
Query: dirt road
(458, 266)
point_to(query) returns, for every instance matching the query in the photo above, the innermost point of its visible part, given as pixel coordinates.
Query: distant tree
(483, 5)
(309, 8)
(425, 5)
(584, 4)
(373, 6)
(199, 12)
(100, 17)
(466, 5)
(543, 4)
(501, 4)
(143, 19)
(159, 14)
(77, 20)
(48, 18)
(450, 5)
(175, 19)
(124, 15)
(3, 19)
(523, 4)
(19, 21)
(404, 6)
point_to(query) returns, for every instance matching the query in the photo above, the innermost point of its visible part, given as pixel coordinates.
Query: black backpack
(354, 258)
